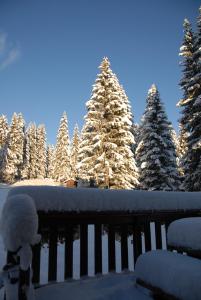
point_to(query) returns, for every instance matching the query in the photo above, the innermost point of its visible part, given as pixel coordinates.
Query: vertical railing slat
(68, 255)
(137, 241)
(52, 259)
(111, 247)
(158, 235)
(124, 246)
(83, 249)
(98, 248)
(36, 263)
(147, 234)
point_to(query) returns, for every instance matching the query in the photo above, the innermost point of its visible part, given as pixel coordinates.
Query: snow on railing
(135, 220)
(50, 198)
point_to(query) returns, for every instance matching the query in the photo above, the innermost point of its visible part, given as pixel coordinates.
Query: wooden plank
(124, 246)
(147, 234)
(111, 248)
(83, 249)
(36, 249)
(158, 235)
(137, 242)
(68, 255)
(52, 259)
(98, 248)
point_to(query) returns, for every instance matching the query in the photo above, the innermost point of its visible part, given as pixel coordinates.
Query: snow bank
(19, 226)
(108, 287)
(185, 233)
(174, 273)
(64, 199)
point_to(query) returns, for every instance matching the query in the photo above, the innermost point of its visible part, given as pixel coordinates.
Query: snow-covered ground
(108, 287)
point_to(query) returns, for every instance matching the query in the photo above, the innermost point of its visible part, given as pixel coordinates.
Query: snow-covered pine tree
(105, 151)
(25, 169)
(175, 140)
(41, 152)
(74, 153)
(32, 151)
(182, 150)
(62, 155)
(187, 52)
(50, 161)
(155, 152)
(4, 129)
(21, 144)
(14, 150)
(192, 181)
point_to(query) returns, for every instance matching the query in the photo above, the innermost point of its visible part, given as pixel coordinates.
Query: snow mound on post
(185, 233)
(19, 222)
(48, 198)
(173, 273)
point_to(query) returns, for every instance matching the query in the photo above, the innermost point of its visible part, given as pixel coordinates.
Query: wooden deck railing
(62, 226)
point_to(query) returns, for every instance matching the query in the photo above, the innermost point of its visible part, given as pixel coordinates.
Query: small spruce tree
(155, 152)
(74, 153)
(62, 155)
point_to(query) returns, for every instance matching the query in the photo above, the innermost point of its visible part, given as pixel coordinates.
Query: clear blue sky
(50, 51)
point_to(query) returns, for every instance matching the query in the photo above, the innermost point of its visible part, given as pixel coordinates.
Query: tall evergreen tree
(13, 154)
(62, 155)
(192, 113)
(74, 153)
(4, 129)
(50, 161)
(155, 153)
(30, 166)
(41, 152)
(105, 151)
(187, 52)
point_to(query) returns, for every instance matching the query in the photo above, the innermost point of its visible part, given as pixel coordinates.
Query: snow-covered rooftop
(49, 198)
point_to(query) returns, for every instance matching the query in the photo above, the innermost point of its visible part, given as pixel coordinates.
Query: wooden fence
(64, 226)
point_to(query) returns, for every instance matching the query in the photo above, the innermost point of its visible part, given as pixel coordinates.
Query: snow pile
(19, 226)
(185, 233)
(175, 274)
(62, 199)
(109, 287)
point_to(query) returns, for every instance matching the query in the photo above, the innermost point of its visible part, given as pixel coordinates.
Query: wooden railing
(63, 227)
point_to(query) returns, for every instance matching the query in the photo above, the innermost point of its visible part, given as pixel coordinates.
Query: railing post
(147, 235)
(68, 259)
(98, 248)
(52, 261)
(137, 241)
(36, 250)
(158, 235)
(124, 246)
(83, 249)
(111, 247)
